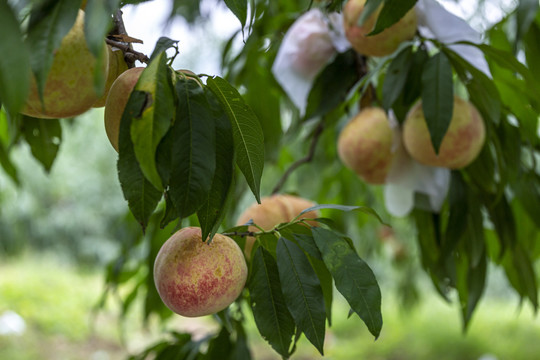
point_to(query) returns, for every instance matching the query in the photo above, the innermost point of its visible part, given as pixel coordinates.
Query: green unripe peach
(69, 88)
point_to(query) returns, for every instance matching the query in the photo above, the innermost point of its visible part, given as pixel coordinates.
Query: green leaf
(44, 137)
(391, 13)
(14, 62)
(8, 166)
(471, 285)
(156, 118)
(47, 27)
(193, 156)
(396, 77)
(239, 9)
(437, 97)
(272, 317)
(369, 8)
(327, 285)
(141, 195)
(500, 214)
(353, 277)
(520, 272)
(506, 60)
(247, 133)
(527, 191)
(213, 209)
(482, 91)
(97, 24)
(525, 14)
(532, 49)
(457, 213)
(302, 292)
(364, 209)
(162, 45)
(332, 84)
(219, 347)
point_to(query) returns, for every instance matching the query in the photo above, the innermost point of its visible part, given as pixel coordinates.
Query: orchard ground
(56, 301)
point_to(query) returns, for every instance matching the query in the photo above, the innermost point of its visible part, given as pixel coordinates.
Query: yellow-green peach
(69, 88)
(461, 144)
(382, 44)
(196, 278)
(117, 65)
(365, 145)
(117, 100)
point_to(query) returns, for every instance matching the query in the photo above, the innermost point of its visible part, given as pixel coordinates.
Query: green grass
(56, 302)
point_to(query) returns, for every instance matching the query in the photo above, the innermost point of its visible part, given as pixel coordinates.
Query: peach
(365, 145)
(69, 88)
(196, 278)
(274, 210)
(461, 144)
(117, 101)
(117, 65)
(383, 43)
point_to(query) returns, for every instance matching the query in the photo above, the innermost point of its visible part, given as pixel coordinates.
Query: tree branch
(130, 55)
(314, 140)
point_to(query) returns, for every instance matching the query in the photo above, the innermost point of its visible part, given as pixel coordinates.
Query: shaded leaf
(14, 63)
(364, 209)
(193, 156)
(302, 291)
(392, 12)
(162, 45)
(212, 211)
(141, 195)
(44, 137)
(247, 133)
(437, 97)
(332, 84)
(7, 164)
(353, 277)
(396, 76)
(272, 317)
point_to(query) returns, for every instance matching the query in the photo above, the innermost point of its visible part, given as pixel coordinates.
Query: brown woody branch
(119, 32)
(306, 159)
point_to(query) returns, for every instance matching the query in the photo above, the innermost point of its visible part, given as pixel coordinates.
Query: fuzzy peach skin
(69, 88)
(460, 146)
(382, 44)
(365, 145)
(194, 278)
(117, 101)
(274, 210)
(117, 65)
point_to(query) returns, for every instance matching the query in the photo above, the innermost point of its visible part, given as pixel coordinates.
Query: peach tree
(190, 145)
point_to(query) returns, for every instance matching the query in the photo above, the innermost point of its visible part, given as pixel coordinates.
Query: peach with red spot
(196, 278)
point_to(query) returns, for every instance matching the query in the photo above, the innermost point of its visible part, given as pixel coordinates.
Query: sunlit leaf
(156, 118)
(392, 12)
(247, 132)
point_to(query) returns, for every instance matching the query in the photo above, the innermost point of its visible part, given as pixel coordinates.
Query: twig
(316, 135)
(130, 55)
(241, 234)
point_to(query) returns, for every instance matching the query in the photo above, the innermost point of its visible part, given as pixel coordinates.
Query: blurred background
(74, 264)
